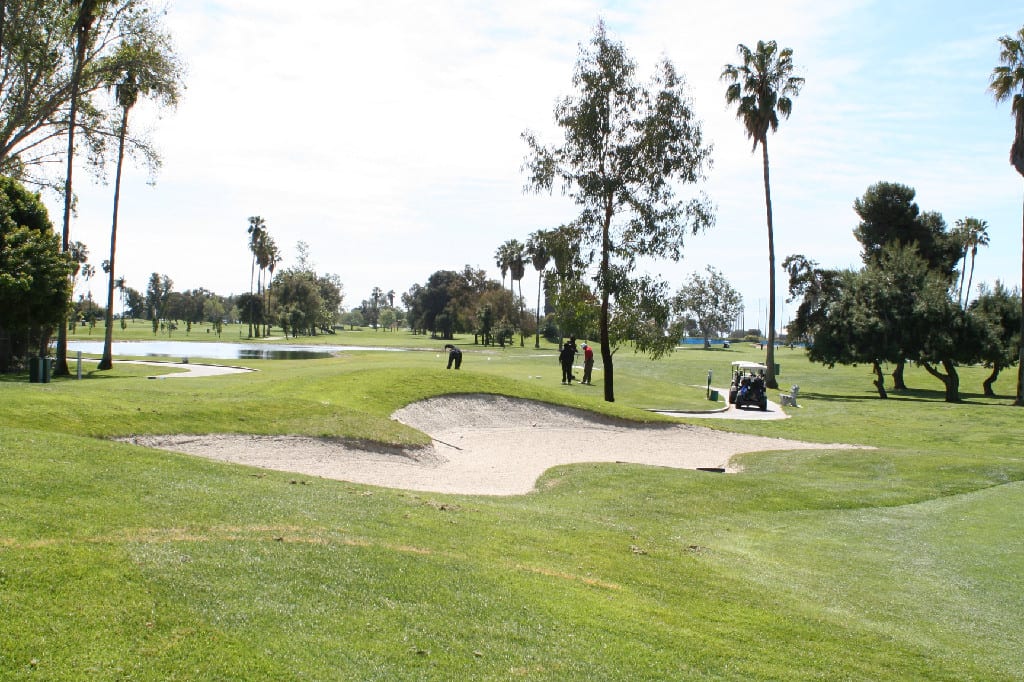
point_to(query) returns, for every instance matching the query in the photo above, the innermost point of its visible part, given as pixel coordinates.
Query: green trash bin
(778, 369)
(39, 370)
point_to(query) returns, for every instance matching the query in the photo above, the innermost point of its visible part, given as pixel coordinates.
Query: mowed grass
(120, 562)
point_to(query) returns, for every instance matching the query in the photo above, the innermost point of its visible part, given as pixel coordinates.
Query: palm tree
(503, 259)
(257, 226)
(974, 233)
(1007, 83)
(268, 256)
(143, 69)
(537, 250)
(762, 88)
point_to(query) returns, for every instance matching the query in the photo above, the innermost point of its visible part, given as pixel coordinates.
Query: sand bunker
(483, 445)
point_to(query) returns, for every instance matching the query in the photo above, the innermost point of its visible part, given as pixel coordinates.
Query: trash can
(39, 370)
(778, 369)
(714, 396)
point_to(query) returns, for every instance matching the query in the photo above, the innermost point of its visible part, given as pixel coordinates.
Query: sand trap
(483, 445)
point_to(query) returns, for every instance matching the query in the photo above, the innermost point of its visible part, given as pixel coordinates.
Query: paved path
(774, 411)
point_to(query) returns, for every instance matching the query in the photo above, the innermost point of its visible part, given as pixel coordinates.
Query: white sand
(483, 445)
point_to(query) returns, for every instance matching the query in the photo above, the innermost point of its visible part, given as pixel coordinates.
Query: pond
(216, 350)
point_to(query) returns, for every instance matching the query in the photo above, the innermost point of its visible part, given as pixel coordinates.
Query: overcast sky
(386, 134)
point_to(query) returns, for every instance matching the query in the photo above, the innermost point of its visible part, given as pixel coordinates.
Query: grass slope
(119, 562)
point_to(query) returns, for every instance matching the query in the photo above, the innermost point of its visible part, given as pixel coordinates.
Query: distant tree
(157, 293)
(267, 258)
(762, 88)
(387, 318)
(353, 318)
(974, 233)
(711, 301)
(626, 149)
(257, 226)
(538, 251)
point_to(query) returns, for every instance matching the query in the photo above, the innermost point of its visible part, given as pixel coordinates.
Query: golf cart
(747, 387)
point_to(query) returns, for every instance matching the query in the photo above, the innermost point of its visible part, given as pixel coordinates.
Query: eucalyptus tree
(150, 70)
(712, 301)
(762, 88)
(540, 256)
(626, 148)
(1007, 83)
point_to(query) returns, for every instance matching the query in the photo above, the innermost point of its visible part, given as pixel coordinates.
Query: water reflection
(216, 350)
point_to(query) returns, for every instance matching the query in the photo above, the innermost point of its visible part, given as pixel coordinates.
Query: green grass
(120, 562)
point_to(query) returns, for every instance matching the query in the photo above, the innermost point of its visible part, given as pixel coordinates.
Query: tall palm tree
(1007, 83)
(142, 69)
(83, 34)
(257, 226)
(537, 250)
(761, 88)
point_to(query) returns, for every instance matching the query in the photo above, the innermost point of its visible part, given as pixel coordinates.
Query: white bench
(790, 398)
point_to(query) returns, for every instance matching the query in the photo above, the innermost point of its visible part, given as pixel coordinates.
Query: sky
(387, 135)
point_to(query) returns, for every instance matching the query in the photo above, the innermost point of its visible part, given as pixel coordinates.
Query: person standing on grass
(454, 356)
(566, 357)
(588, 364)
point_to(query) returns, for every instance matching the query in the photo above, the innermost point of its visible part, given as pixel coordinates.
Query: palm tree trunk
(770, 381)
(107, 362)
(1020, 351)
(540, 285)
(252, 277)
(970, 280)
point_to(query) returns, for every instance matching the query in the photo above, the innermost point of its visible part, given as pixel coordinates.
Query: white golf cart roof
(749, 366)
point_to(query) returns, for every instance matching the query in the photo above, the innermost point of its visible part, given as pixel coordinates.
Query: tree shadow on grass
(919, 395)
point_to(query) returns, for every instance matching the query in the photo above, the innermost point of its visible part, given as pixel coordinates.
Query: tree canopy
(711, 301)
(35, 276)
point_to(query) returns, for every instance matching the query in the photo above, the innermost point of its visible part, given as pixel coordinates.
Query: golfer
(454, 356)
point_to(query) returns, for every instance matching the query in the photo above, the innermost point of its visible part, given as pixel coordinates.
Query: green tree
(997, 312)
(890, 217)
(762, 88)
(142, 69)
(626, 148)
(712, 302)
(298, 300)
(1007, 83)
(35, 276)
(157, 294)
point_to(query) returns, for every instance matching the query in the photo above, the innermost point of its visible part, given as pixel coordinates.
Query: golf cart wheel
(764, 405)
(732, 397)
